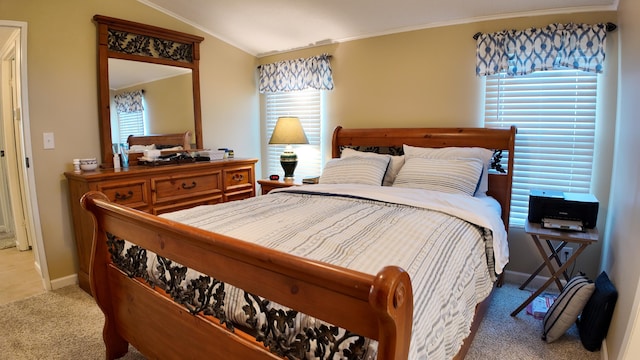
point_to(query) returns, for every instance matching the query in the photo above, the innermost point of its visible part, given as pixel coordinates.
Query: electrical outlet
(565, 254)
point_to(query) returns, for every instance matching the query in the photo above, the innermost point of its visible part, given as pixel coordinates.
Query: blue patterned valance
(520, 52)
(129, 102)
(298, 74)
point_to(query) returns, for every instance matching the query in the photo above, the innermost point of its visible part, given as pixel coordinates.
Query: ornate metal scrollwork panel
(496, 162)
(149, 46)
(132, 261)
(273, 326)
(279, 324)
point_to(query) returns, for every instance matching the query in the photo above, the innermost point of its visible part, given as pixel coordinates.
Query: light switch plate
(48, 141)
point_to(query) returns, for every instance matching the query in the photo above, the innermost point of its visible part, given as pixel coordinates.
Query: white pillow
(457, 176)
(395, 163)
(565, 310)
(485, 155)
(141, 148)
(355, 170)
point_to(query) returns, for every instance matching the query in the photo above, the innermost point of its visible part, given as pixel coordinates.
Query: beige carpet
(502, 336)
(66, 324)
(60, 324)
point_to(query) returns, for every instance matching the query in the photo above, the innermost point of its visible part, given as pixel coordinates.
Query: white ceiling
(125, 73)
(262, 27)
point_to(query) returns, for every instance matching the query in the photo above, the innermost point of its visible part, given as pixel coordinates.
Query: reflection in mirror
(167, 99)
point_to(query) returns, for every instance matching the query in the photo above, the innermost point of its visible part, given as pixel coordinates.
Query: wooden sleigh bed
(162, 323)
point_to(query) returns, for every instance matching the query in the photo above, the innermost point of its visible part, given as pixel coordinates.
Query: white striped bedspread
(452, 246)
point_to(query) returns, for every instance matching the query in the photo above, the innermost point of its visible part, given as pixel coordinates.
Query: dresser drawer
(132, 193)
(178, 187)
(239, 178)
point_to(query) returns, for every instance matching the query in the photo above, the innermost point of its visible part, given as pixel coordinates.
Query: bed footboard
(377, 307)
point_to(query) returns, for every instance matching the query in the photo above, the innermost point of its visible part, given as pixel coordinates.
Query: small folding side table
(538, 234)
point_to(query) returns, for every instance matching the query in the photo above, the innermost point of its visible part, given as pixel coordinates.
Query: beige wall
(62, 81)
(427, 78)
(170, 111)
(622, 236)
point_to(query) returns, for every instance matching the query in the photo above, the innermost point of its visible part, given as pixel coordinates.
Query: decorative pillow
(457, 176)
(485, 155)
(567, 307)
(355, 170)
(597, 313)
(395, 163)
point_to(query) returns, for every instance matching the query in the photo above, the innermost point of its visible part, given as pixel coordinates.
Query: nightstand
(267, 185)
(552, 259)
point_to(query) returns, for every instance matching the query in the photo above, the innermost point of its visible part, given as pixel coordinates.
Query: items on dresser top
(163, 157)
(174, 158)
(88, 164)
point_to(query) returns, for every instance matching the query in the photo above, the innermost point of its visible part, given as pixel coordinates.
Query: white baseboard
(45, 284)
(38, 269)
(59, 283)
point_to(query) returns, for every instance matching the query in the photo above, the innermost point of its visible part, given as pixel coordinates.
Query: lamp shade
(288, 131)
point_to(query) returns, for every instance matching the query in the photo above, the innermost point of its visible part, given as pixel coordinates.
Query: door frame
(25, 188)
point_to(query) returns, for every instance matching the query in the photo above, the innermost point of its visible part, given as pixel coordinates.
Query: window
(305, 105)
(555, 114)
(130, 123)
(129, 107)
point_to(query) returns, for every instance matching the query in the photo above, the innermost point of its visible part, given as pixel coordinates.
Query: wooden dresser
(157, 190)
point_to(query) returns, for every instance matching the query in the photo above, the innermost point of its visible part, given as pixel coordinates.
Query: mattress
(452, 246)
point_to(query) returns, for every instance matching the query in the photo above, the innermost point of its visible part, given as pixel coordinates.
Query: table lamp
(288, 131)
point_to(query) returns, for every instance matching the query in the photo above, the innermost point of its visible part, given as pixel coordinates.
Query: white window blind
(130, 123)
(555, 113)
(306, 105)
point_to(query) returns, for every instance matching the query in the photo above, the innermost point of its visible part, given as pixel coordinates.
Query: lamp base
(288, 161)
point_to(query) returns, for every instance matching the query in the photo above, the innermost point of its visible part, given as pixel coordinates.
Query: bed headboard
(163, 140)
(498, 140)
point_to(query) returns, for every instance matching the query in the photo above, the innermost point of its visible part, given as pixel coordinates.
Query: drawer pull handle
(126, 196)
(187, 187)
(237, 177)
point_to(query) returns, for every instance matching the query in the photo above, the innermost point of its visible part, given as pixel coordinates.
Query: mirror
(163, 63)
(168, 102)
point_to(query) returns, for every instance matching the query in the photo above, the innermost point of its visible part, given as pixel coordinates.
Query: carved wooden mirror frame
(122, 39)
